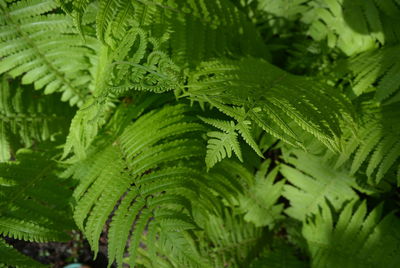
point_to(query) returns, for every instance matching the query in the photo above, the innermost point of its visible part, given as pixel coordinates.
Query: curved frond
(220, 27)
(146, 176)
(275, 100)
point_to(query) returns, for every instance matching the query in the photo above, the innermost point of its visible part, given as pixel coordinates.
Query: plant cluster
(203, 133)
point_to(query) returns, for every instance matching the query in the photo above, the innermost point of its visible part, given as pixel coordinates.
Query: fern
(45, 217)
(375, 70)
(233, 239)
(48, 56)
(221, 144)
(136, 166)
(217, 23)
(34, 204)
(349, 26)
(10, 256)
(356, 239)
(376, 145)
(312, 183)
(285, 98)
(259, 200)
(206, 133)
(352, 26)
(28, 117)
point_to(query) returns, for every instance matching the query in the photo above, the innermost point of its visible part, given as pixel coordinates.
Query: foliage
(202, 133)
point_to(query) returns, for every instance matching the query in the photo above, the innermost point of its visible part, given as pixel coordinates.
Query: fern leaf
(28, 117)
(366, 148)
(107, 8)
(243, 128)
(272, 98)
(216, 22)
(11, 257)
(221, 145)
(84, 127)
(259, 200)
(375, 67)
(355, 240)
(37, 53)
(137, 173)
(232, 238)
(378, 154)
(377, 144)
(45, 217)
(313, 183)
(388, 161)
(351, 26)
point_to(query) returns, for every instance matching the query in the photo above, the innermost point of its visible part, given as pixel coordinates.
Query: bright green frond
(139, 178)
(221, 145)
(271, 98)
(311, 183)
(44, 50)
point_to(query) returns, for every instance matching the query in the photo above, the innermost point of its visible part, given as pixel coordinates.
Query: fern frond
(177, 249)
(221, 28)
(352, 26)
(375, 70)
(221, 144)
(85, 125)
(43, 49)
(376, 149)
(356, 239)
(242, 126)
(272, 98)
(34, 202)
(139, 178)
(259, 200)
(312, 182)
(12, 258)
(232, 238)
(106, 13)
(28, 117)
